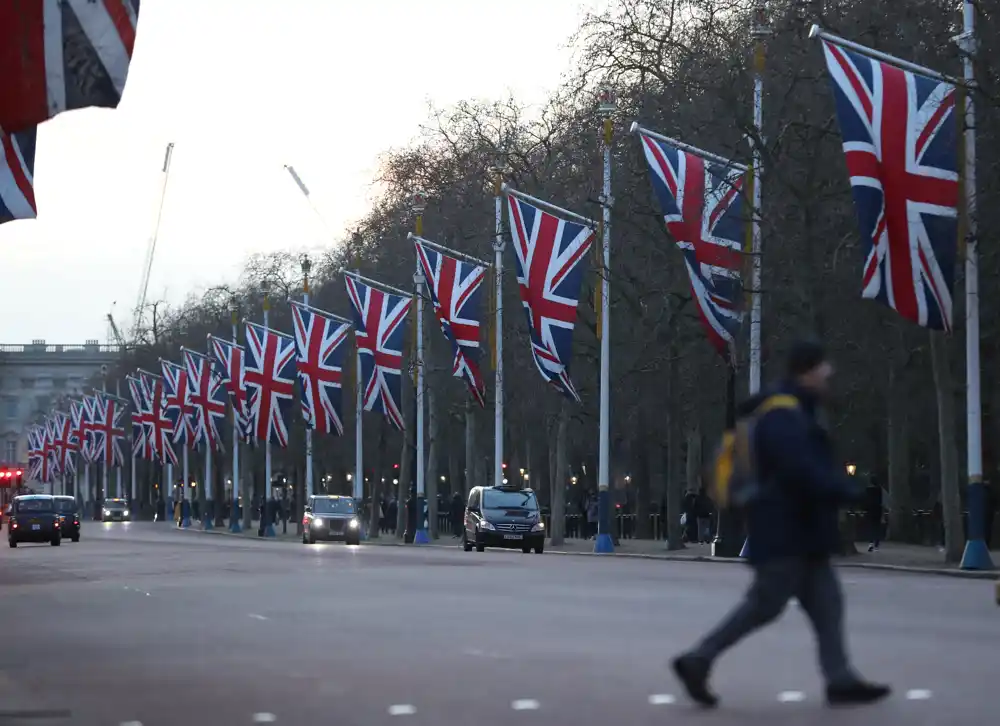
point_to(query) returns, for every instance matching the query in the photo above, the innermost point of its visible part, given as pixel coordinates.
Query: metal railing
(60, 348)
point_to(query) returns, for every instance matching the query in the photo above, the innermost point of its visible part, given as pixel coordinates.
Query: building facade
(37, 377)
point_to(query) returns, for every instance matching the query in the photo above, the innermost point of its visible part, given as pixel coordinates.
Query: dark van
(69, 510)
(33, 518)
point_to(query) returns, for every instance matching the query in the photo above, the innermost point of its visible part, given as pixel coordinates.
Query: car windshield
(114, 504)
(65, 506)
(34, 505)
(333, 506)
(496, 499)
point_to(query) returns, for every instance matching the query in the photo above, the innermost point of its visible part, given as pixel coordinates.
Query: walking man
(792, 533)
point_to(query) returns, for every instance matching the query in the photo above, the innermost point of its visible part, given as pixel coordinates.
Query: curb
(901, 569)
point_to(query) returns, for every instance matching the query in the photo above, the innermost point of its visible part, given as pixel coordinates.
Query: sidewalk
(891, 556)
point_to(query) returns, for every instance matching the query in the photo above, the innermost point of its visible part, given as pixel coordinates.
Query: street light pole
(306, 267)
(420, 536)
(266, 509)
(498, 247)
(234, 514)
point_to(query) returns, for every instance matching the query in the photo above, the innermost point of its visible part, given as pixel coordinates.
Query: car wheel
(480, 548)
(539, 549)
(355, 541)
(56, 541)
(305, 540)
(76, 538)
(526, 550)
(466, 545)
(12, 543)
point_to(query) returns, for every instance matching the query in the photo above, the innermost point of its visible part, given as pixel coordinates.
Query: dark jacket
(802, 484)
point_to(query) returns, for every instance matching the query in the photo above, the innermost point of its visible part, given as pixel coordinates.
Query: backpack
(734, 475)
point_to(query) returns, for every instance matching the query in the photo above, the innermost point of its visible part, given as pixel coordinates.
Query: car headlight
(353, 524)
(107, 512)
(540, 527)
(317, 522)
(126, 512)
(486, 525)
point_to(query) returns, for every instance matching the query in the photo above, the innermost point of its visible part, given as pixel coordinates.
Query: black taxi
(331, 518)
(69, 511)
(33, 518)
(503, 517)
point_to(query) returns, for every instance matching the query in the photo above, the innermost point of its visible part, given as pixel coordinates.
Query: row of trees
(682, 67)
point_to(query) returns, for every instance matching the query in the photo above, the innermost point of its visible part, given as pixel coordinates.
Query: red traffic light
(503, 465)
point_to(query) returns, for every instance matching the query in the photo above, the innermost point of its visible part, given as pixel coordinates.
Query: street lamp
(852, 469)
(306, 265)
(350, 477)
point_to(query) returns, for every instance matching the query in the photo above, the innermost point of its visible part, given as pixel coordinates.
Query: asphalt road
(140, 623)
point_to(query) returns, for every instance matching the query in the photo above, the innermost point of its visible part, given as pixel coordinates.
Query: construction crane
(140, 304)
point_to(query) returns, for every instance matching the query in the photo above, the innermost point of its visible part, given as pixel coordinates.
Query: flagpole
(306, 266)
(234, 514)
(604, 542)
(359, 482)
(119, 489)
(420, 534)
(759, 31)
(498, 247)
(976, 555)
(266, 510)
(104, 466)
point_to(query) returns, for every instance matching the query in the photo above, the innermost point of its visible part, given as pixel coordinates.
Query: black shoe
(693, 674)
(856, 693)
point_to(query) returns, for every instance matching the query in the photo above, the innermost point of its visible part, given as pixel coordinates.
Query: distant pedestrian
(703, 511)
(457, 514)
(873, 513)
(593, 513)
(797, 489)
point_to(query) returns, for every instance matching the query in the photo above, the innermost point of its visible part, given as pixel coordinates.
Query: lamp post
(266, 510)
(234, 514)
(306, 265)
(419, 204)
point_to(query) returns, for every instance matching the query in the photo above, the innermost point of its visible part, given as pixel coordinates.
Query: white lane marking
(525, 704)
(402, 709)
(918, 694)
(264, 718)
(791, 697)
(255, 616)
(661, 699)
(131, 723)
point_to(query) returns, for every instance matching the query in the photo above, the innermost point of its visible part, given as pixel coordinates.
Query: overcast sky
(243, 87)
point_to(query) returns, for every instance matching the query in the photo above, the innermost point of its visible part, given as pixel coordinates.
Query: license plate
(513, 536)
(36, 527)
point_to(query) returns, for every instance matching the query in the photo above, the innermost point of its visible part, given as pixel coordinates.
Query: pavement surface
(140, 623)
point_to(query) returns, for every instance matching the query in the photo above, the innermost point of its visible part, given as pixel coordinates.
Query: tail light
(76, 521)
(57, 525)
(305, 521)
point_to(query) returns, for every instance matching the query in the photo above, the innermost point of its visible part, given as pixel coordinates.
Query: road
(142, 624)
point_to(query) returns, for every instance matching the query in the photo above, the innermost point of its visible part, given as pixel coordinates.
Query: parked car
(34, 518)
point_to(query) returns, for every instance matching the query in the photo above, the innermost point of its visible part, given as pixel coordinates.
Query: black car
(69, 510)
(115, 510)
(331, 518)
(34, 518)
(503, 517)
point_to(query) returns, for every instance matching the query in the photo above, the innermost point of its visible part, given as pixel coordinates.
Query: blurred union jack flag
(548, 252)
(702, 204)
(900, 136)
(108, 431)
(270, 382)
(208, 399)
(50, 462)
(162, 428)
(35, 437)
(17, 172)
(455, 291)
(378, 326)
(177, 396)
(58, 55)
(62, 444)
(319, 347)
(142, 420)
(229, 359)
(80, 416)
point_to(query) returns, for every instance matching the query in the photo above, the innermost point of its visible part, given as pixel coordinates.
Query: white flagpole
(306, 265)
(132, 473)
(84, 491)
(498, 247)
(759, 31)
(976, 555)
(266, 510)
(234, 514)
(420, 531)
(359, 482)
(186, 489)
(604, 542)
(168, 494)
(206, 516)
(105, 464)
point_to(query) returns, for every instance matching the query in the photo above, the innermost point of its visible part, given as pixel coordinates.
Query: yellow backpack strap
(772, 403)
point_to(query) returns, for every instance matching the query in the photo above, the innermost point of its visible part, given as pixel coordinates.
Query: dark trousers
(815, 585)
(875, 527)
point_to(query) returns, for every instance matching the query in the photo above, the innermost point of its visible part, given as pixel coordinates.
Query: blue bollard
(234, 518)
(745, 552)
(976, 555)
(604, 544)
(421, 536)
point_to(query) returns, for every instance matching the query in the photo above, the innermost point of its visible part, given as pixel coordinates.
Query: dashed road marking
(264, 718)
(791, 697)
(661, 699)
(402, 709)
(525, 704)
(255, 616)
(918, 694)
(131, 723)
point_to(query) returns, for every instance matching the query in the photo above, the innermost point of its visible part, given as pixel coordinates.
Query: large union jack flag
(63, 444)
(208, 398)
(107, 431)
(455, 291)
(319, 347)
(549, 251)
(142, 420)
(378, 330)
(81, 418)
(17, 171)
(229, 359)
(59, 55)
(702, 204)
(900, 135)
(36, 435)
(177, 394)
(270, 382)
(50, 463)
(162, 428)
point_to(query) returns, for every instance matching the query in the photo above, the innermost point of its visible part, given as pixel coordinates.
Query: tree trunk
(406, 456)
(431, 467)
(377, 485)
(470, 448)
(558, 523)
(951, 505)
(900, 502)
(693, 461)
(455, 479)
(246, 484)
(643, 498)
(675, 485)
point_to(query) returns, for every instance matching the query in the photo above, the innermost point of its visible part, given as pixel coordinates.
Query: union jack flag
(162, 429)
(455, 291)
(17, 172)
(319, 347)
(900, 136)
(208, 397)
(59, 55)
(178, 402)
(80, 422)
(62, 444)
(50, 464)
(90, 412)
(270, 382)
(108, 431)
(230, 360)
(548, 252)
(35, 453)
(702, 205)
(142, 420)
(378, 330)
